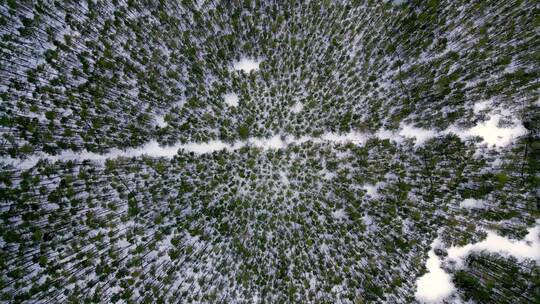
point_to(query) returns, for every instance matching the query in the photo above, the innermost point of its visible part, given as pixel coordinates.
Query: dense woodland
(314, 222)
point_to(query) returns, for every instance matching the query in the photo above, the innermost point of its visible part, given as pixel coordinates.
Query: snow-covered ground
(231, 99)
(421, 135)
(490, 130)
(492, 133)
(528, 248)
(472, 203)
(297, 107)
(247, 64)
(436, 285)
(160, 121)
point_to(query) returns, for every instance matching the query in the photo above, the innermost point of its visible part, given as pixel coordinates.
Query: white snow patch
(160, 121)
(275, 142)
(481, 106)
(51, 206)
(231, 99)
(472, 203)
(247, 65)
(392, 135)
(491, 132)
(355, 137)
(297, 107)
(421, 135)
(284, 178)
(528, 248)
(339, 214)
(328, 175)
(369, 222)
(436, 284)
(202, 148)
(371, 190)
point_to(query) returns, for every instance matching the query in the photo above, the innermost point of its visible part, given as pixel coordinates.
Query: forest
(207, 151)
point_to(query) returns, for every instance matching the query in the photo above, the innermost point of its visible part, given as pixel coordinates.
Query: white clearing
(153, 149)
(371, 190)
(436, 284)
(247, 65)
(231, 99)
(160, 121)
(481, 106)
(339, 214)
(297, 107)
(492, 133)
(528, 248)
(472, 203)
(421, 135)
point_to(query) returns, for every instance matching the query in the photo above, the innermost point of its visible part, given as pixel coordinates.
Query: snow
(328, 175)
(387, 134)
(491, 132)
(371, 190)
(472, 203)
(421, 135)
(339, 214)
(50, 206)
(494, 135)
(231, 99)
(247, 64)
(297, 107)
(153, 149)
(160, 121)
(436, 284)
(202, 148)
(528, 248)
(481, 106)
(284, 178)
(395, 2)
(369, 222)
(275, 142)
(346, 137)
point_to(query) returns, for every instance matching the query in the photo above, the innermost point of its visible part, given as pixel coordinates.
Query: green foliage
(243, 132)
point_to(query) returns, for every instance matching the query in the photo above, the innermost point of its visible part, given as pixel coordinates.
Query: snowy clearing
(472, 203)
(436, 285)
(297, 107)
(492, 133)
(421, 135)
(528, 248)
(499, 137)
(231, 99)
(160, 121)
(247, 65)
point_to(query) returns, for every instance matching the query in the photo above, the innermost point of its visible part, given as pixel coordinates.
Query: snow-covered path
(492, 134)
(153, 149)
(436, 285)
